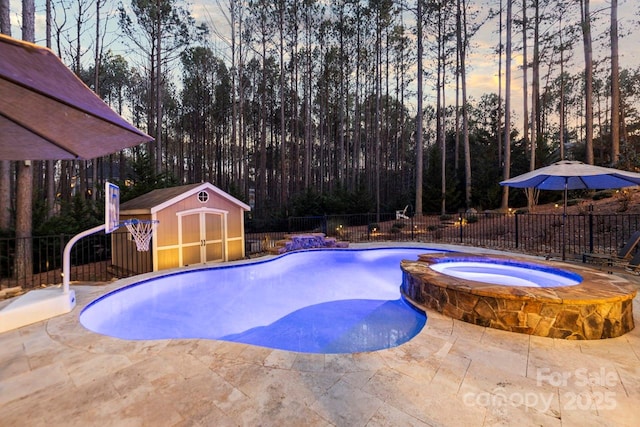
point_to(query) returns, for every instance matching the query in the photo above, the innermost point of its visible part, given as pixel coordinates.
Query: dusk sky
(482, 71)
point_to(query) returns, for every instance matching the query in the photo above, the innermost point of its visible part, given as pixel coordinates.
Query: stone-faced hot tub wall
(599, 307)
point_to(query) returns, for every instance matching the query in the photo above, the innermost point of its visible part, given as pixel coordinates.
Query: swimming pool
(314, 301)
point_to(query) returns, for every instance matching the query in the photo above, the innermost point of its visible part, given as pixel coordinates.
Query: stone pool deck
(56, 373)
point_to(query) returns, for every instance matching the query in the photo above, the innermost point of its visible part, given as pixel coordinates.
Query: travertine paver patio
(56, 373)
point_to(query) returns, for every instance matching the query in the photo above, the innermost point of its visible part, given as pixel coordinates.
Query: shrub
(472, 219)
(335, 226)
(604, 194)
(398, 225)
(624, 199)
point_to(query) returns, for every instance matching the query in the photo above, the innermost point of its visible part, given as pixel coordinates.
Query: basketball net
(141, 230)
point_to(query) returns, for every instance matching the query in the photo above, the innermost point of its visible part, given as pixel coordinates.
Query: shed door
(203, 236)
(213, 237)
(191, 241)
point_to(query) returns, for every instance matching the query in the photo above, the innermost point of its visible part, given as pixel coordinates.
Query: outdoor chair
(633, 266)
(402, 214)
(623, 258)
(629, 265)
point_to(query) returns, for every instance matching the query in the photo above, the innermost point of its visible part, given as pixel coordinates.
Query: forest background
(315, 107)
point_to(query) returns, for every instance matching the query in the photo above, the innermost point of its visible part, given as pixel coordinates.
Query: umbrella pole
(564, 220)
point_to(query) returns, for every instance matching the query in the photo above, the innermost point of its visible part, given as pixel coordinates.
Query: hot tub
(506, 272)
(510, 293)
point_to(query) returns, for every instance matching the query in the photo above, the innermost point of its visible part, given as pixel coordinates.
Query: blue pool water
(508, 273)
(316, 301)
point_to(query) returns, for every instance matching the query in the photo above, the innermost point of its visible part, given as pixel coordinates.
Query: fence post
(460, 221)
(412, 229)
(517, 229)
(62, 243)
(590, 229)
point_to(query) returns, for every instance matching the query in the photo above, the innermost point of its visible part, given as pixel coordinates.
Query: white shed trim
(196, 190)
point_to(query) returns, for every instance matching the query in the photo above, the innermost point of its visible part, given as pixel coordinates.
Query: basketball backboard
(111, 207)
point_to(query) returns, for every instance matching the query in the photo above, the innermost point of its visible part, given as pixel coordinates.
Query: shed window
(203, 197)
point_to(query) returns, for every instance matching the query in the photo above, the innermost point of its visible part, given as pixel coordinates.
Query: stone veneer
(599, 307)
(294, 242)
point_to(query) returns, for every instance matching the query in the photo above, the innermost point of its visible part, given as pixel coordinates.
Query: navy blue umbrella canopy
(573, 175)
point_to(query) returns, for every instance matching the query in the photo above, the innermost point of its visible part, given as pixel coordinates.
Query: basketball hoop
(141, 230)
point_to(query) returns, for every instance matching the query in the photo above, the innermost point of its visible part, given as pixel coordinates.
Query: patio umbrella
(47, 112)
(572, 175)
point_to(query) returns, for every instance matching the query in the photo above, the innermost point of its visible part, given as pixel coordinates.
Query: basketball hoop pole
(66, 255)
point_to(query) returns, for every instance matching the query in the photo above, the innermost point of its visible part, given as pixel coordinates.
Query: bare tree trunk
(525, 86)
(81, 182)
(588, 79)
(465, 115)
(244, 166)
(440, 108)
(24, 193)
(284, 174)
(507, 111)
(296, 171)
(355, 149)
(235, 165)
(499, 125)
(96, 88)
(615, 86)
(340, 162)
(457, 107)
(535, 86)
(529, 143)
(158, 88)
(50, 174)
(377, 124)
(561, 106)
(308, 135)
(5, 194)
(5, 17)
(419, 155)
(24, 213)
(5, 165)
(261, 191)
(533, 124)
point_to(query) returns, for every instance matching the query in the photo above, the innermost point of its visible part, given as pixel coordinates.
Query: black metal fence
(90, 260)
(536, 234)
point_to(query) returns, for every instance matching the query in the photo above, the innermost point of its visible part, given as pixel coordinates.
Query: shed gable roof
(159, 199)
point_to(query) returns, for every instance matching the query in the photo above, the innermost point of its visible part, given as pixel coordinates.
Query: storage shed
(198, 223)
